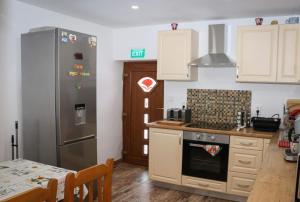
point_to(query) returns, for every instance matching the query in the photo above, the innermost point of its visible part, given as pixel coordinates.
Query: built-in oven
(205, 155)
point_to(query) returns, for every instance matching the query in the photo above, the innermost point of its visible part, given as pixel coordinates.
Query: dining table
(20, 175)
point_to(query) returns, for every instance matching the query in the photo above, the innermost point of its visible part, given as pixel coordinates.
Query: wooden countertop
(276, 180)
(247, 132)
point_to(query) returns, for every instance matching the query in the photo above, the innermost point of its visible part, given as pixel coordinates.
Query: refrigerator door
(38, 93)
(76, 86)
(78, 155)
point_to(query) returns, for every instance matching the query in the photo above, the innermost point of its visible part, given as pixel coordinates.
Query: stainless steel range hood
(216, 56)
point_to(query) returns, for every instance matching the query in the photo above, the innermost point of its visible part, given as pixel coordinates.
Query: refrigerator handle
(79, 139)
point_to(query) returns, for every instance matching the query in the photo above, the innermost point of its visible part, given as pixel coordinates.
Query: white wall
(17, 18)
(270, 97)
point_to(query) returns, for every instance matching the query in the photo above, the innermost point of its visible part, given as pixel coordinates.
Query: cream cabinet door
(257, 53)
(175, 50)
(165, 154)
(289, 54)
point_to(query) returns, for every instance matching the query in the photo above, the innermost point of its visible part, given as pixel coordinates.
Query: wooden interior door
(142, 103)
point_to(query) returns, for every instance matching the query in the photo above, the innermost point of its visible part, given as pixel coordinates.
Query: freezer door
(76, 86)
(78, 155)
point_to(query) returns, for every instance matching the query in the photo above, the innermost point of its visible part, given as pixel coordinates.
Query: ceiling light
(135, 7)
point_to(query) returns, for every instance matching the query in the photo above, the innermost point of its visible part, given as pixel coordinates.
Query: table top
(21, 175)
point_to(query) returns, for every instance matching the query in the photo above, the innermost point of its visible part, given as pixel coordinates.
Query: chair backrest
(100, 173)
(37, 194)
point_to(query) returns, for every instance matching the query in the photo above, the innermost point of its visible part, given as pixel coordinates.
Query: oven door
(198, 162)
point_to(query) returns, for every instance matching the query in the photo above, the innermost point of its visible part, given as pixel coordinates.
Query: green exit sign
(137, 53)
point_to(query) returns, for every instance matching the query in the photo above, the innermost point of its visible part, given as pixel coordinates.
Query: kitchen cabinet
(269, 53)
(201, 183)
(289, 54)
(175, 50)
(257, 53)
(165, 155)
(245, 160)
(240, 183)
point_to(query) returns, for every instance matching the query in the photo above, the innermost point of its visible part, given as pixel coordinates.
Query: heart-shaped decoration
(147, 84)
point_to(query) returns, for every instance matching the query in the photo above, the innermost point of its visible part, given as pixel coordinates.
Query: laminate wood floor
(131, 184)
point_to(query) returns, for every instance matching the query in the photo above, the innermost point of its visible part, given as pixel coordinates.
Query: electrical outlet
(258, 107)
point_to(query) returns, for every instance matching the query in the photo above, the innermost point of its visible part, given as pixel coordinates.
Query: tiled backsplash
(217, 105)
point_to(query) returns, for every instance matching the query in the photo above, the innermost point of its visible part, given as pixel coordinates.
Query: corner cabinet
(175, 50)
(165, 155)
(269, 53)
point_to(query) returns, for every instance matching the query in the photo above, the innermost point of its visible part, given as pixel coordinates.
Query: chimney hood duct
(216, 56)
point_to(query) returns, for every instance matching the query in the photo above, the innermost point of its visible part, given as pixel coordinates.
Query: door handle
(243, 185)
(246, 143)
(203, 185)
(79, 139)
(180, 139)
(195, 145)
(244, 162)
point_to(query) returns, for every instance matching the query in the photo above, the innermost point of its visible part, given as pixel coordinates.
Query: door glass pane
(146, 118)
(146, 134)
(145, 149)
(146, 103)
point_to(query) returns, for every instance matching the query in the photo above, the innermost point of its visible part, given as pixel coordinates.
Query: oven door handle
(196, 145)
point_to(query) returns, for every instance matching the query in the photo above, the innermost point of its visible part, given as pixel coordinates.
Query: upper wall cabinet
(268, 53)
(289, 54)
(257, 53)
(175, 50)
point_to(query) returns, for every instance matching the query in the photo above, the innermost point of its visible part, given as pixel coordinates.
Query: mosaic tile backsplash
(220, 106)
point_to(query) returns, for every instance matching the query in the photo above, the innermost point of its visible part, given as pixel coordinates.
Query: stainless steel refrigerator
(59, 97)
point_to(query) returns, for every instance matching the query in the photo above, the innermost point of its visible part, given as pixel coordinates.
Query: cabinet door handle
(180, 139)
(203, 185)
(246, 143)
(244, 162)
(243, 185)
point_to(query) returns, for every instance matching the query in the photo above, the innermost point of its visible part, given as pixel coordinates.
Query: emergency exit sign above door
(137, 53)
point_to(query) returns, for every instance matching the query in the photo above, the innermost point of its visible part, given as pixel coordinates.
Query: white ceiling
(117, 13)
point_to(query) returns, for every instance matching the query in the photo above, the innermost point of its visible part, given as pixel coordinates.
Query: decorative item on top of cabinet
(165, 155)
(176, 49)
(269, 53)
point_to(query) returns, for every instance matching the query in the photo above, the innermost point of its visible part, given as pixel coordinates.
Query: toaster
(174, 114)
(177, 114)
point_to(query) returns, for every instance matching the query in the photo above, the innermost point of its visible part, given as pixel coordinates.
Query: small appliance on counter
(266, 124)
(177, 114)
(291, 153)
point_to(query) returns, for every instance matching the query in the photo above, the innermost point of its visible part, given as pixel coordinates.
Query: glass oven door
(200, 161)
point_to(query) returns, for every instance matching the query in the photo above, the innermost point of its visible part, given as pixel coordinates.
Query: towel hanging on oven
(211, 149)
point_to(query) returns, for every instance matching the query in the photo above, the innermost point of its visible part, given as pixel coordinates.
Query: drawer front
(245, 161)
(246, 142)
(204, 184)
(240, 183)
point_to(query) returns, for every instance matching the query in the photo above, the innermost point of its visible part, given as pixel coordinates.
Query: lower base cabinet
(204, 184)
(245, 159)
(240, 183)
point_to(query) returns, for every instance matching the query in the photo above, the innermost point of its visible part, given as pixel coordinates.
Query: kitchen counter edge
(247, 132)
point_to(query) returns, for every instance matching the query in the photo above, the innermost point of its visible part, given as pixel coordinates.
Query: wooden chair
(101, 173)
(38, 194)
